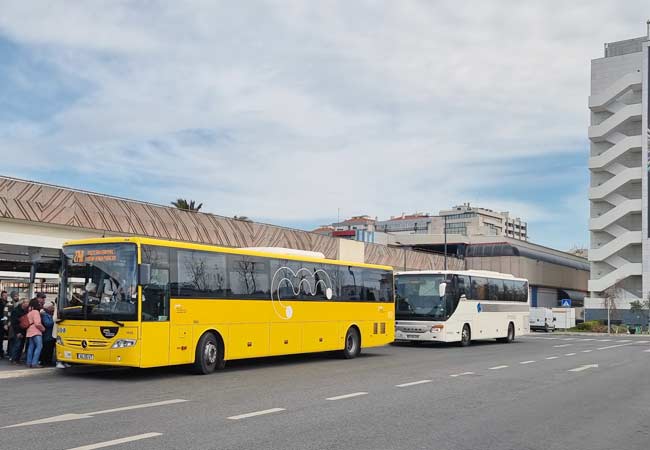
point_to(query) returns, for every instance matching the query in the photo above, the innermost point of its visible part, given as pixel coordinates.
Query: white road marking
(613, 346)
(569, 354)
(25, 373)
(642, 342)
(587, 351)
(497, 367)
(341, 397)
(462, 374)
(588, 339)
(256, 413)
(552, 357)
(646, 351)
(123, 440)
(66, 417)
(604, 340)
(143, 405)
(527, 362)
(569, 339)
(624, 340)
(581, 368)
(412, 383)
(562, 345)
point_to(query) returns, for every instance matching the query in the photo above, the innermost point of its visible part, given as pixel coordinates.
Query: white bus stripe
(123, 440)
(256, 413)
(341, 397)
(412, 383)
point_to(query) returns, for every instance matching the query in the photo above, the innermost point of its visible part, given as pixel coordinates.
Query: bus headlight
(59, 340)
(437, 328)
(123, 343)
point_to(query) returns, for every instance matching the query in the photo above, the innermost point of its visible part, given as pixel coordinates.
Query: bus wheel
(352, 344)
(511, 334)
(466, 336)
(209, 355)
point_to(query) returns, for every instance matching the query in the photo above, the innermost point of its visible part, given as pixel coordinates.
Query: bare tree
(611, 296)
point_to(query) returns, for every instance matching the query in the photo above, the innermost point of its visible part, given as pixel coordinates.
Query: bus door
(154, 306)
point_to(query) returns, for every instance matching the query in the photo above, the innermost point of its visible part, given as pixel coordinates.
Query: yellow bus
(142, 302)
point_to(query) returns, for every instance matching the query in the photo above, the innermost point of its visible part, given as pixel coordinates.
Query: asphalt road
(541, 392)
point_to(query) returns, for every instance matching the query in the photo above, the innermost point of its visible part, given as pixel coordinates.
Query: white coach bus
(461, 306)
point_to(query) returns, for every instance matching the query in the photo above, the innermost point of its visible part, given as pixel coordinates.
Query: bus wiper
(118, 322)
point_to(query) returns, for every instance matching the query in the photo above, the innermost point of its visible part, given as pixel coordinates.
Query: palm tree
(181, 203)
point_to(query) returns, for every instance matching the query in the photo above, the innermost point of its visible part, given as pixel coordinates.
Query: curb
(19, 373)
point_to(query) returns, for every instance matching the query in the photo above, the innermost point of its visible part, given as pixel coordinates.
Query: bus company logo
(109, 332)
(78, 256)
(84, 344)
(304, 280)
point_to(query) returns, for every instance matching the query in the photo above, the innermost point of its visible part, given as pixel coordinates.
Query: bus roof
(216, 248)
(471, 273)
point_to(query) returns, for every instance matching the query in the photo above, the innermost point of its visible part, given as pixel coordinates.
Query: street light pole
(445, 242)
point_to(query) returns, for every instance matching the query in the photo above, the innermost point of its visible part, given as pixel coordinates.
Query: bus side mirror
(442, 289)
(145, 274)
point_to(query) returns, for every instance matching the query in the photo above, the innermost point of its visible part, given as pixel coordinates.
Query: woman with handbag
(34, 334)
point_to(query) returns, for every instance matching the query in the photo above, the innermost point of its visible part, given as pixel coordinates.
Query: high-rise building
(618, 191)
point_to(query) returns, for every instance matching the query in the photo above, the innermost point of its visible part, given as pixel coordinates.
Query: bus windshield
(418, 296)
(99, 282)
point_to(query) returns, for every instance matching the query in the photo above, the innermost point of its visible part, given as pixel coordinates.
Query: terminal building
(619, 252)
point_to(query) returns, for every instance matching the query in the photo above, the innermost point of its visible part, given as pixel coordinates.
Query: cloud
(290, 110)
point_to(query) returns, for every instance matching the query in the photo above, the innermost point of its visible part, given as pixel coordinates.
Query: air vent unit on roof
(287, 251)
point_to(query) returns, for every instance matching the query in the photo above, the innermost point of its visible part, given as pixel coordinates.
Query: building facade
(618, 193)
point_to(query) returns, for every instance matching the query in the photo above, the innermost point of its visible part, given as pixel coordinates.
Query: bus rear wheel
(511, 334)
(209, 355)
(466, 336)
(352, 344)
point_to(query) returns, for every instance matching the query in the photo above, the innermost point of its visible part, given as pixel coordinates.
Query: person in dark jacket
(4, 324)
(20, 309)
(47, 320)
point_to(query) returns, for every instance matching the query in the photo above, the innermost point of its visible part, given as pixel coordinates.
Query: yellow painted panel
(248, 340)
(154, 349)
(285, 338)
(181, 348)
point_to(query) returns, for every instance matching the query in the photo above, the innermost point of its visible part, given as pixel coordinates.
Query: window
(201, 274)
(155, 295)
(248, 277)
(377, 286)
(479, 288)
(351, 283)
(301, 280)
(495, 289)
(521, 291)
(509, 291)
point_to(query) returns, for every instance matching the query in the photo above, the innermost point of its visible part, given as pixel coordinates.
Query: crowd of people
(27, 326)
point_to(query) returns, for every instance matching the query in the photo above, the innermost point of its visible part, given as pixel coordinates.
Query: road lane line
(604, 340)
(256, 413)
(90, 415)
(569, 354)
(561, 345)
(527, 362)
(587, 351)
(624, 341)
(589, 339)
(412, 383)
(497, 367)
(642, 342)
(341, 397)
(585, 367)
(569, 339)
(613, 346)
(123, 440)
(646, 351)
(462, 374)
(143, 405)
(552, 357)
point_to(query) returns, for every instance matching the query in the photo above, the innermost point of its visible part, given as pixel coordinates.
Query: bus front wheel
(466, 336)
(209, 355)
(352, 344)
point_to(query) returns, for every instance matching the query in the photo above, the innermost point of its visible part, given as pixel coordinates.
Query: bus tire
(511, 334)
(466, 336)
(209, 354)
(352, 343)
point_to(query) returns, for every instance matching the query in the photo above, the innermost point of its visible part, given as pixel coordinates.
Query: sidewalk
(8, 370)
(589, 333)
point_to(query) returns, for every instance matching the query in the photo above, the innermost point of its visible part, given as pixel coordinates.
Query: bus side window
(155, 295)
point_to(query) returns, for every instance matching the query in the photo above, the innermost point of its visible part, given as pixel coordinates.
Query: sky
(296, 113)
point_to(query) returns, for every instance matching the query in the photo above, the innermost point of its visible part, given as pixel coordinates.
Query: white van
(541, 319)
